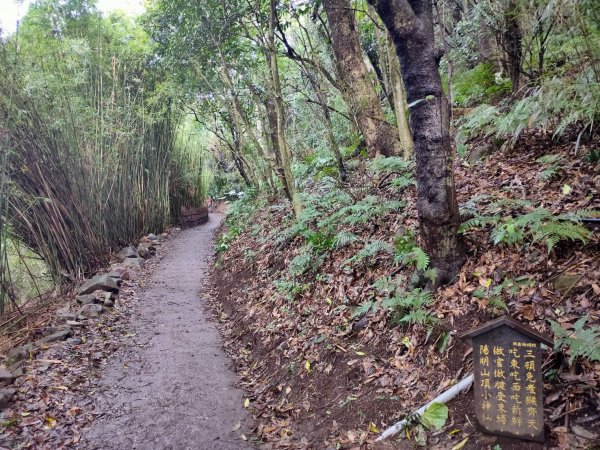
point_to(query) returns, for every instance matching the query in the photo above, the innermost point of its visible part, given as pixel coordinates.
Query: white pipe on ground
(444, 397)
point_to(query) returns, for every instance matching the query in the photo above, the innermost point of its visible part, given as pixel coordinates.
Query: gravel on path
(172, 388)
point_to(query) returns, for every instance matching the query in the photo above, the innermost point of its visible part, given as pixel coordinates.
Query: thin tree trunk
(381, 41)
(236, 153)
(237, 109)
(411, 27)
(276, 145)
(284, 151)
(400, 103)
(240, 115)
(380, 136)
(331, 140)
(269, 166)
(512, 38)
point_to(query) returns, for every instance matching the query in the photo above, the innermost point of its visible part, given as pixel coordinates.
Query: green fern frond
(576, 216)
(370, 250)
(301, 263)
(415, 256)
(390, 303)
(582, 342)
(344, 238)
(419, 317)
(363, 309)
(390, 164)
(554, 232)
(478, 222)
(403, 182)
(553, 163)
(551, 159)
(420, 258)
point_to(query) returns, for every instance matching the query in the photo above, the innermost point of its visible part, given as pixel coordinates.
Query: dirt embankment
(320, 377)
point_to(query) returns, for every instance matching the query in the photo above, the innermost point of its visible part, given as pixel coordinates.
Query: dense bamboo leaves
(92, 151)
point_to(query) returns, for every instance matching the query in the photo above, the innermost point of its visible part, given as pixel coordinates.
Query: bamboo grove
(93, 152)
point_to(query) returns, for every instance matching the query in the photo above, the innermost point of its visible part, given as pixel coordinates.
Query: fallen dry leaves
(319, 378)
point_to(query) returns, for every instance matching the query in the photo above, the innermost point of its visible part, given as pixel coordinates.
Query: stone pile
(93, 298)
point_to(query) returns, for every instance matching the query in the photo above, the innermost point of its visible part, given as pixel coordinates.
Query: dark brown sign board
(507, 366)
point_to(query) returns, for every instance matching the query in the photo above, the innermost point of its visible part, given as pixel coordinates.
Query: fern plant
(480, 122)
(593, 156)
(541, 225)
(409, 307)
(370, 250)
(403, 182)
(552, 165)
(408, 252)
(494, 293)
(290, 289)
(582, 342)
(365, 307)
(554, 105)
(362, 211)
(537, 225)
(393, 165)
(302, 262)
(387, 285)
(390, 164)
(344, 238)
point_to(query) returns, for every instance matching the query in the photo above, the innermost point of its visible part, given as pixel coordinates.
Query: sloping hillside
(333, 337)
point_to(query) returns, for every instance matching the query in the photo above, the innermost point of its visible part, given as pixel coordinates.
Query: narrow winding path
(175, 390)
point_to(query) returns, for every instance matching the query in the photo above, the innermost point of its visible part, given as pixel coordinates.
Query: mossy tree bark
(380, 136)
(400, 103)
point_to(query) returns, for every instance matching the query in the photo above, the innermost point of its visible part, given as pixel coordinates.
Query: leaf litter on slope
(367, 378)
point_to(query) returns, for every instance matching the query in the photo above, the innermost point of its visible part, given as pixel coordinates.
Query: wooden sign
(507, 364)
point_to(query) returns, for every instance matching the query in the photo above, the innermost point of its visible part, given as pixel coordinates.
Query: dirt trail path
(175, 390)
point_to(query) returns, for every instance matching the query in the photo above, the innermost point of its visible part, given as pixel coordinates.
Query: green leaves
(343, 239)
(435, 416)
(552, 167)
(537, 225)
(370, 250)
(581, 342)
(408, 252)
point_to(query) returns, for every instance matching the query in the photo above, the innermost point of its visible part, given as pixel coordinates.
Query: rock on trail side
(174, 389)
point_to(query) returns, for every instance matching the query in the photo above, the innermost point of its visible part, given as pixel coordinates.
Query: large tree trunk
(411, 27)
(380, 136)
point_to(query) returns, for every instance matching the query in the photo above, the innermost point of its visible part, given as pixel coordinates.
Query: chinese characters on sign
(508, 379)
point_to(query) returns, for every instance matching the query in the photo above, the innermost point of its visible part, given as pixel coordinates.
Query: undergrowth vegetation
(519, 222)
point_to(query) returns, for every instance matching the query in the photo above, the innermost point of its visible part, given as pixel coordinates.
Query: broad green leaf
(435, 416)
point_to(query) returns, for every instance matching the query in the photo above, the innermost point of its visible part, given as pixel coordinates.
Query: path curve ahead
(175, 391)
